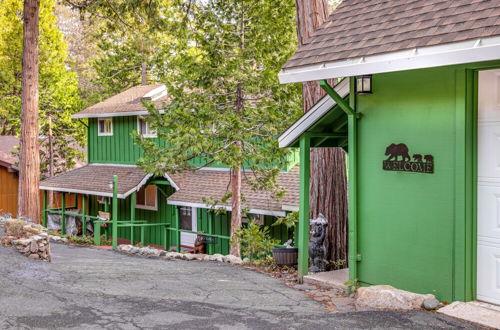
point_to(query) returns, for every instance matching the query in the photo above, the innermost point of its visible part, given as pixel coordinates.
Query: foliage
(290, 221)
(127, 34)
(254, 240)
(352, 285)
(80, 240)
(58, 86)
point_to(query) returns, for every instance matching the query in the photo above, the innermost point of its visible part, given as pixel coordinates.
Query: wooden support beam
(337, 98)
(84, 214)
(133, 201)
(303, 225)
(63, 216)
(114, 213)
(352, 202)
(44, 217)
(177, 232)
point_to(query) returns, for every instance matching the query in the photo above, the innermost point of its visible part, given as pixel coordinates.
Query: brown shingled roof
(194, 186)
(360, 28)
(7, 146)
(94, 180)
(127, 101)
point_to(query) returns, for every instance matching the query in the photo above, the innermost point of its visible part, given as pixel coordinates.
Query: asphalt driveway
(86, 288)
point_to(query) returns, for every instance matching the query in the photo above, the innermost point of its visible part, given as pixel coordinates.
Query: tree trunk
(29, 157)
(328, 193)
(235, 208)
(144, 73)
(51, 162)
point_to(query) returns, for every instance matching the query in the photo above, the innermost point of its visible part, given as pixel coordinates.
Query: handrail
(201, 234)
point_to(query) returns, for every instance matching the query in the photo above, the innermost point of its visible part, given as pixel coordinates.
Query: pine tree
(227, 104)
(58, 87)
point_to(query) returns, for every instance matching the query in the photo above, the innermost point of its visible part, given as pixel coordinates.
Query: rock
(41, 248)
(246, 261)
(303, 287)
(125, 248)
(217, 257)
(64, 240)
(233, 260)
(388, 297)
(33, 247)
(171, 255)
(34, 256)
(430, 304)
(23, 242)
(36, 237)
(163, 253)
(206, 258)
(43, 234)
(134, 250)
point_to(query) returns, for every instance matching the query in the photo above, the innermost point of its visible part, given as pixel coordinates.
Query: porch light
(364, 84)
(110, 184)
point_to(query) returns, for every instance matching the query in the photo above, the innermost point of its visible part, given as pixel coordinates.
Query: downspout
(352, 116)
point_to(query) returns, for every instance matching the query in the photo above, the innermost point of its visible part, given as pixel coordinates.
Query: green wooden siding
(120, 148)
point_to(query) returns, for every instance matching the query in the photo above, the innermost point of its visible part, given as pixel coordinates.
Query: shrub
(255, 242)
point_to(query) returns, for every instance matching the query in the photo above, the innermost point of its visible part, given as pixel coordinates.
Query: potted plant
(288, 254)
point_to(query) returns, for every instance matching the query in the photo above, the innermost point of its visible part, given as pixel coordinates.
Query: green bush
(255, 241)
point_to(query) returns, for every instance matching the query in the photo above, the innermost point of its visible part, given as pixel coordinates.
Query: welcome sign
(420, 164)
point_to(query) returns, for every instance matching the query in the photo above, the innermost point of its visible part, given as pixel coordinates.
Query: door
(488, 187)
(188, 221)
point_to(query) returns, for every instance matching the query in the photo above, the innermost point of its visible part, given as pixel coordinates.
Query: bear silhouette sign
(399, 159)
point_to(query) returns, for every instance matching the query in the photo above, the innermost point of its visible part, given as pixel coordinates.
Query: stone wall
(29, 239)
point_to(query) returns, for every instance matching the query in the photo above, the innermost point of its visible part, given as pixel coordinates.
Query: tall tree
(227, 104)
(328, 193)
(29, 160)
(58, 88)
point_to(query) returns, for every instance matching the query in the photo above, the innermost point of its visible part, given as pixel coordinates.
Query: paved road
(86, 288)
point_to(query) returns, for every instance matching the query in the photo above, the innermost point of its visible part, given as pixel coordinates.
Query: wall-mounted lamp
(364, 84)
(111, 184)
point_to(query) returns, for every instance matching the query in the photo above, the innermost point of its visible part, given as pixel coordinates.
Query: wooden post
(106, 209)
(44, 215)
(352, 203)
(97, 233)
(210, 247)
(84, 215)
(177, 233)
(303, 225)
(63, 216)
(133, 201)
(114, 214)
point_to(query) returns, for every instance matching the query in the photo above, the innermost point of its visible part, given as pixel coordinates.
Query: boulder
(430, 304)
(388, 297)
(233, 260)
(34, 256)
(33, 247)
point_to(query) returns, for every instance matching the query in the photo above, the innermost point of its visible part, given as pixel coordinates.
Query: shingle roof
(194, 186)
(7, 146)
(127, 101)
(360, 28)
(94, 180)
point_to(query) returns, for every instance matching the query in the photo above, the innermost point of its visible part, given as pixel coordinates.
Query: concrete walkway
(474, 311)
(85, 288)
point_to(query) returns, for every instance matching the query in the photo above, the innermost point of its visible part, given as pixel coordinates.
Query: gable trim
(312, 116)
(470, 51)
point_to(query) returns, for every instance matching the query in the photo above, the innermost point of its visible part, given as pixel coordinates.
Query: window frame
(147, 207)
(152, 133)
(99, 133)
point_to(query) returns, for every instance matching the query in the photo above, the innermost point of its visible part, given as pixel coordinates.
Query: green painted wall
(120, 148)
(406, 221)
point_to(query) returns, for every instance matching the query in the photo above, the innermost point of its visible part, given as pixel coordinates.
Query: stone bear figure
(317, 250)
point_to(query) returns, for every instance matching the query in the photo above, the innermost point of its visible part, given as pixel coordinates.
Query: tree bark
(144, 73)
(29, 157)
(328, 186)
(235, 208)
(51, 161)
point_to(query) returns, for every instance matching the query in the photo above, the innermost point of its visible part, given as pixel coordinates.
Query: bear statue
(317, 249)
(396, 150)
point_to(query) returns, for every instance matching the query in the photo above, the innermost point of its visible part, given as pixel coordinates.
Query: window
(188, 218)
(147, 198)
(105, 126)
(144, 128)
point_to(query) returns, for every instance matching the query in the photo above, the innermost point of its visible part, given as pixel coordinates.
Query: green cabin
(166, 212)
(417, 108)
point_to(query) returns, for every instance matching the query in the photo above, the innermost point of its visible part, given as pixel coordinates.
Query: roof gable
(367, 27)
(127, 103)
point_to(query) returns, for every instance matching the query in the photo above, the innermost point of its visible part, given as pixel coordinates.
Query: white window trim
(99, 133)
(147, 136)
(146, 207)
